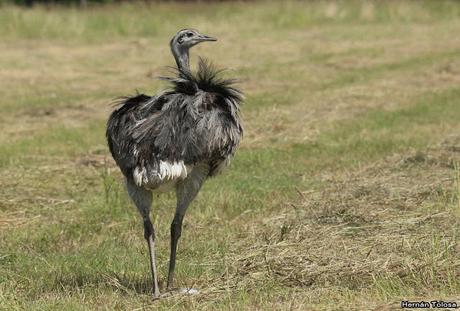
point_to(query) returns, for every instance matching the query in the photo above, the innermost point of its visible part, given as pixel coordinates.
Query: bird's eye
(189, 34)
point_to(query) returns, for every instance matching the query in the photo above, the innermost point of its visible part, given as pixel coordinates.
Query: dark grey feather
(196, 121)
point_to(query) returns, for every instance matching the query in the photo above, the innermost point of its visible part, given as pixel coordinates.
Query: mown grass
(324, 207)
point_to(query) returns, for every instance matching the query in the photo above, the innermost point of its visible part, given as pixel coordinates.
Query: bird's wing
(123, 145)
(188, 128)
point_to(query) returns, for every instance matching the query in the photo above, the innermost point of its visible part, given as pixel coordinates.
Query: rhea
(176, 139)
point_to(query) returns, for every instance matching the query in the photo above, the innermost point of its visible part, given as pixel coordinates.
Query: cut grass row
(110, 22)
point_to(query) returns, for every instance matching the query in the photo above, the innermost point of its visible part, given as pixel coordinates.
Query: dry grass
(344, 194)
(393, 224)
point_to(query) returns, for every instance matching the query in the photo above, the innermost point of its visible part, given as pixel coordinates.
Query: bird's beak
(203, 38)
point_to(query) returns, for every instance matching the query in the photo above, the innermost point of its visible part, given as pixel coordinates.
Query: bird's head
(186, 38)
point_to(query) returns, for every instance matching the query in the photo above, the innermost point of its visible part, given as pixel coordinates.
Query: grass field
(344, 194)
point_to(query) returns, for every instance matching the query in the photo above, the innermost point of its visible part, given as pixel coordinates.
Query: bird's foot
(180, 291)
(189, 291)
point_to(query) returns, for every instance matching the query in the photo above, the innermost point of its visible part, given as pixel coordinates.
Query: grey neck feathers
(181, 57)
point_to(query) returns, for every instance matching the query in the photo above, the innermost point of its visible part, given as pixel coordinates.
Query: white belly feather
(163, 179)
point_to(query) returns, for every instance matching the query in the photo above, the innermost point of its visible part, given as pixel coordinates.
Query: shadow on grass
(120, 283)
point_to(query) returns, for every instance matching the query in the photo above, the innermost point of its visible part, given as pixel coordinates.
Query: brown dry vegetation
(344, 194)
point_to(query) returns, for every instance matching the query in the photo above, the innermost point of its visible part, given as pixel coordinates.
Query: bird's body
(176, 139)
(158, 140)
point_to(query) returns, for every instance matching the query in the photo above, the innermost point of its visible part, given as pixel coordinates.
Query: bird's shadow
(123, 283)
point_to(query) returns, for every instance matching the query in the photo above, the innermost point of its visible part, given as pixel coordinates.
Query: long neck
(181, 57)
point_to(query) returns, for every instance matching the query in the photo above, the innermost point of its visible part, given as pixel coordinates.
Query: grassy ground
(343, 195)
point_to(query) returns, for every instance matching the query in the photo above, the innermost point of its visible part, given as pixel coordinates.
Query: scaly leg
(149, 234)
(176, 230)
(142, 198)
(186, 191)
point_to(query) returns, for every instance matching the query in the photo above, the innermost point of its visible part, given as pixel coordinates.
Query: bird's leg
(149, 234)
(142, 198)
(176, 229)
(186, 191)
